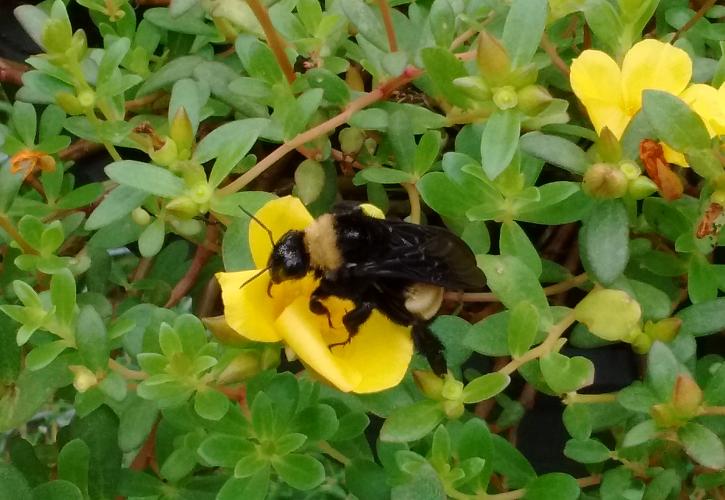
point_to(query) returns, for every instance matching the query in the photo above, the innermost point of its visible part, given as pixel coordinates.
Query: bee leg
(318, 307)
(354, 319)
(430, 346)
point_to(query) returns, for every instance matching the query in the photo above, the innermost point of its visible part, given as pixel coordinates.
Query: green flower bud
(78, 45)
(183, 206)
(69, 103)
(630, 169)
(187, 227)
(604, 181)
(686, 396)
(533, 98)
(641, 187)
(270, 357)
(474, 86)
(429, 383)
(167, 155)
(505, 97)
(182, 133)
(87, 98)
(609, 314)
(243, 366)
(452, 388)
(351, 140)
(140, 216)
(493, 61)
(224, 333)
(453, 409)
(57, 36)
(201, 193)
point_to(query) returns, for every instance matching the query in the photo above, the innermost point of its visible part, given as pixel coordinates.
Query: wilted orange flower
(27, 161)
(658, 169)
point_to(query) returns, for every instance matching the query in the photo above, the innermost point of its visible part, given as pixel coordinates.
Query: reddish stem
(273, 38)
(12, 72)
(200, 258)
(388, 22)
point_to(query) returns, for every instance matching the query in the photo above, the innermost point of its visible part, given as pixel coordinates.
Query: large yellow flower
(375, 359)
(612, 96)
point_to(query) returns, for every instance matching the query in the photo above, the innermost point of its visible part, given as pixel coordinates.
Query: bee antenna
(261, 224)
(260, 273)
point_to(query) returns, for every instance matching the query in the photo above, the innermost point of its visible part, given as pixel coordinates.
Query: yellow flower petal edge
(709, 103)
(248, 309)
(651, 64)
(596, 81)
(280, 215)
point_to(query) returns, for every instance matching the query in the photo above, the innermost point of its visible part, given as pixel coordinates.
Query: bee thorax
(423, 299)
(321, 244)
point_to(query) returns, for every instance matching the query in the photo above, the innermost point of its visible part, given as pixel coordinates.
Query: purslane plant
(576, 147)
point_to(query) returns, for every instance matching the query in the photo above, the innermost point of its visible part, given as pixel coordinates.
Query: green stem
(333, 453)
(7, 225)
(575, 398)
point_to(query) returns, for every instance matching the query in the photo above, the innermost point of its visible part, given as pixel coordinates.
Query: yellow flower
(612, 96)
(709, 103)
(375, 359)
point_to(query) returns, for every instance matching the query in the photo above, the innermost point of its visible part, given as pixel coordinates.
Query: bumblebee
(399, 268)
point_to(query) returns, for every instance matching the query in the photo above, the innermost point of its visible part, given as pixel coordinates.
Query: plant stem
(554, 289)
(12, 71)
(556, 60)
(7, 225)
(414, 202)
(333, 453)
(273, 39)
(388, 22)
(583, 482)
(712, 410)
(200, 257)
(555, 332)
(689, 24)
(410, 74)
(125, 372)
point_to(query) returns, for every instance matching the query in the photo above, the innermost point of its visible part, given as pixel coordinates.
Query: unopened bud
(474, 86)
(182, 133)
(183, 206)
(270, 357)
(429, 383)
(604, 181)
(351, 140)
(523, 76)
(201, 193)
(187, 227)
(166, 155)
(452, 388)
(493, 61)
(533, 98)
(453, 409)
(83, 378)
(224, 333)
(69, 103)
(686, 396)
(87, 98)
(78, 45)
(630, 169)
(505, 97)
(140, 216)
(57, 36)
(641, 187)
(243, 366)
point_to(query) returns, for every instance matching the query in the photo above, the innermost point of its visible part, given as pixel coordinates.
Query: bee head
(289, 258)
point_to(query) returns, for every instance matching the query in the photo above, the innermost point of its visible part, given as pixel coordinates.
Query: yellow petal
(673, 156)
(709, 103)
(651, 64)
(596, 81)
(250, 311)
(280, 215)
(380, 353)
(302, 331)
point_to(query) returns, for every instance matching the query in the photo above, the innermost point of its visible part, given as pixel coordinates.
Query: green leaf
(9, 185)
(57, 490)
(258, 59)
(609, 314)
(370, 119)
(702, 282)
(523, 325)
(299, 471)
(603, 19)
(605, 236)
(366, 480)
(382, 175)
(412, 422)
(81, 197)
(317, 422)
(564, 374)
(91, 339)
(663, 485)
(577, 420)
(513, 282)
(112, 57)
(10, 354)
(335, 89)
(146, 177)
(524, 27)
(175, 69)
(309, 180)
(662, 370)
(640, 433)
(73, 464)
(704, 318)
(25, 122)
(509, 462)
(237, 136)
(499, 141)
(139, 484)
(351, 425)
(136, 422)
(263, 417)
(152, 238)
(211, 404)
(423, 483)
(485, 387)
(586, 451)
(514, 241)
(223, 450)
(702, 445)
(63, 296)
(704, 162)
(443, 67)
(252, 488)
(555, 150)
(447, 197)
(673, 120)
(44, 354)
(366, 21)
(13, 486)
(555, 485)
(442, 20)
(190, 95)
(116, 205)
(190, 22)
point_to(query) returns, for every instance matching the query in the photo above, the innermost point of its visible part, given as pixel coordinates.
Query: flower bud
(270, 357)
(243, 366)
(201, 193)
(505, 97)
(474, 86)
(182, 133)
(140, 216)
(83, 378)
(609, 314)
(493, 61)
(686, 396)
(183, 206)
(664, 330)
(523, 76)
(630, 169)
(351, 140)
(429, 383)
(167, 155)
(87, 98)
(187, 227)
(453, 409)
(69, 103)
(57, 36)
(604, 181)
(641, 187)
(533, 98)
(452, 388)
(78, 45)
(224, 333)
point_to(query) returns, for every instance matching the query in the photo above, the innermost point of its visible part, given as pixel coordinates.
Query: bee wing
(425, 254)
